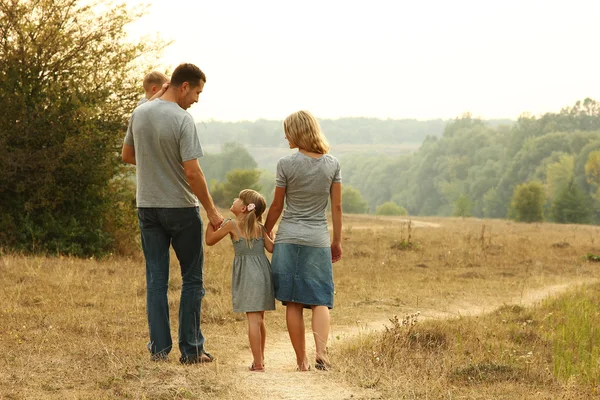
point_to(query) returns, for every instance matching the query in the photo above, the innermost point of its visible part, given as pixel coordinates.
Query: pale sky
(384, 59)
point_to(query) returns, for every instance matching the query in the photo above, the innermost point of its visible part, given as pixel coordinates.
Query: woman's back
(308, 183)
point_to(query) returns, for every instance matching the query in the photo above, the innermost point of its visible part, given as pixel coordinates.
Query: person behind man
(163, 143)
(155, 84)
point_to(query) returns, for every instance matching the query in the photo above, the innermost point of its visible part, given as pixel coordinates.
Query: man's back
(164, 136)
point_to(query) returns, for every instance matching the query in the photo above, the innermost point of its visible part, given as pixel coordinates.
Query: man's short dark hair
(187, 72)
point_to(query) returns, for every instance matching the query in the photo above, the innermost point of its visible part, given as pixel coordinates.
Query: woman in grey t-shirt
(303, 254)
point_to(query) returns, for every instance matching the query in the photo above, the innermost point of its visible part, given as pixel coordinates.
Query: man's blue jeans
(181, 227)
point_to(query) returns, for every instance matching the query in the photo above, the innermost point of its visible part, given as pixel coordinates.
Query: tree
(558, 175)
(571, 206)
(238, 180)
(390, 208)
(462, 206)
(267, 183)
(232, 156)
(592, 170)
(352, 201)
(493, 207)
(528, 202)
(69, 79)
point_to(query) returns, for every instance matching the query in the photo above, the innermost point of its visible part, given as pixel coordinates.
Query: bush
(69, 81)
(352, 201)
(528, 202)
(390, 208)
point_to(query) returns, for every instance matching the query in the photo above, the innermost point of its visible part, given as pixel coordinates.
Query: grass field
(76, 328)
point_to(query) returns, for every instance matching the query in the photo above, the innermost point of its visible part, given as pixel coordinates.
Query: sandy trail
(281, 381)
(390, 221)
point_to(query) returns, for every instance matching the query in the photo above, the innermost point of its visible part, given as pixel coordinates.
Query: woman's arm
(336, 218)
(213, 237)
(275, 209)
(268, 241)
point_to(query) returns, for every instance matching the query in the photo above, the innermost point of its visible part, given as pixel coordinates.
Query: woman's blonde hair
(303, 129)
(250, 225)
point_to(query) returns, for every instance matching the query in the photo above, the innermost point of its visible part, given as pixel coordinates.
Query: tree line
(540, 168)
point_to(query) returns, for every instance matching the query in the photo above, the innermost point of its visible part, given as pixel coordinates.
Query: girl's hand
(336, 252)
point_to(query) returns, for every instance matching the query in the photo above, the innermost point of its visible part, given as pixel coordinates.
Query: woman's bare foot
(322, 363)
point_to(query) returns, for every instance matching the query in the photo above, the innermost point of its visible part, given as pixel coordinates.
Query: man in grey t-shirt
(163, 144)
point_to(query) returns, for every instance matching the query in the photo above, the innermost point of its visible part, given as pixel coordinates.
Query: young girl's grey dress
(251, 282)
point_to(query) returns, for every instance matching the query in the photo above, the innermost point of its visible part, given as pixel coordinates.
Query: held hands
(336, 252)
(216, 219)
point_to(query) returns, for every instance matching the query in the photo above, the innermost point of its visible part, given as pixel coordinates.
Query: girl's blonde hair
(250, 225)
(303, 129)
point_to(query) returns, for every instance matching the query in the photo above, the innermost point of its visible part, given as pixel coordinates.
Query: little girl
(251, 287)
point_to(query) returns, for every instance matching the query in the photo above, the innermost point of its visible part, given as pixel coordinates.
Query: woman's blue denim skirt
(303, 274)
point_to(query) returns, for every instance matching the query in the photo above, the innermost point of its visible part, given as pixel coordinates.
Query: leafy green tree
(352, 201)
(493, 207)
(390, 208)
(463, 206)
(581, 160)
(238, 180)
(217, 192)
(592, 170)
(267, 183)
(69, 79)
(571, 206)
(558, 175)
(232, 156)
(528, 202)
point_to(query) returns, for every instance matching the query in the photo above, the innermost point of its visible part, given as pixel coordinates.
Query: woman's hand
(336, 252)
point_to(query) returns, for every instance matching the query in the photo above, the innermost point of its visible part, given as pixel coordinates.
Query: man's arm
(128, 154)
(197, 181)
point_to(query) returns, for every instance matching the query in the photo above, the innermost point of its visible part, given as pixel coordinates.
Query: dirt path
(393, 221)
(281, 381)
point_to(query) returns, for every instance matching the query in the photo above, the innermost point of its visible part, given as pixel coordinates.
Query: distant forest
(463, 167)
(269, 133)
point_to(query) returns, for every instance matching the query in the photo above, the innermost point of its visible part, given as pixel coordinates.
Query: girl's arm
(213, 237)
(275, 209)
(336, 218)
(268, 241)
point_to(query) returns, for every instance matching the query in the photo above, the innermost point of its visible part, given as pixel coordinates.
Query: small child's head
(303, 131)
(249, 207)
(153, 82)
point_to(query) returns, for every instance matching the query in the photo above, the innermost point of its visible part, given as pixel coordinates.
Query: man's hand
(336, 252)
(216, 219)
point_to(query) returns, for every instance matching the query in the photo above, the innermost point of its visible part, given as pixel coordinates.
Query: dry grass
(75, 328)
(507, 354)
(512, 353)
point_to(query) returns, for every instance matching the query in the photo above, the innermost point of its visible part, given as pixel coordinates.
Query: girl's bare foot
(305, 366)
(256, 368)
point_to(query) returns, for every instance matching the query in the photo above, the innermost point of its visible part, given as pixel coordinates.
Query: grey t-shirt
(164, 136)
(307, 182)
